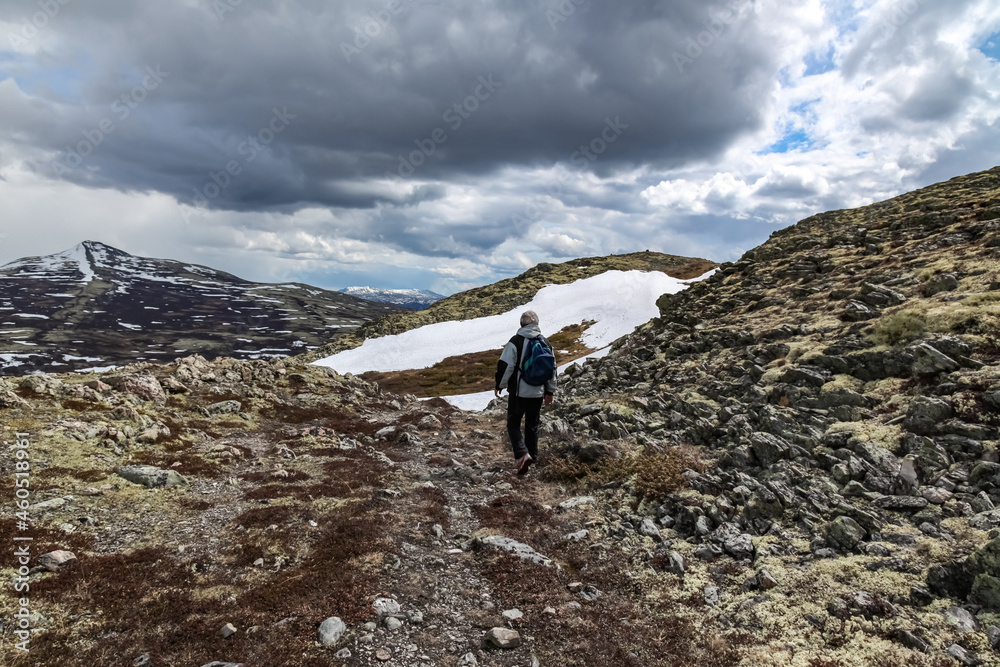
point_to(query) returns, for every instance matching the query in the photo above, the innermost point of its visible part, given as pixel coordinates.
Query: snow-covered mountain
(414, 299)
(604, 307)
(95, 306)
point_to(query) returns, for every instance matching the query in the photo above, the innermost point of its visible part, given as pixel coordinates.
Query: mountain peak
(97, 245)
(414, 299)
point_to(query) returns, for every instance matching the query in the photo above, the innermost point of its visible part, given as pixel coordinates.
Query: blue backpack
(539, 365)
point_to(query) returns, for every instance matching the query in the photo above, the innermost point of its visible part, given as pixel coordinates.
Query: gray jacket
(508, 363)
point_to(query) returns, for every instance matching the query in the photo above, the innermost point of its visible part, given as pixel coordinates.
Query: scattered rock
(961, 620)
(386, 606)
(227, 631)
(502, 638)
(517, 548)
(573, 503)
(54, 561)
(962, 655)
(845, 532)
(223, 408)
(151, 476)
(331, 631)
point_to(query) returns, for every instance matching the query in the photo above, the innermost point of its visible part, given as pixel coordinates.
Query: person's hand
(548, 399)
(496, 392)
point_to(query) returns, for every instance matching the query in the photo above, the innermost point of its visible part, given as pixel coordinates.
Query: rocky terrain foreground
(796, 464)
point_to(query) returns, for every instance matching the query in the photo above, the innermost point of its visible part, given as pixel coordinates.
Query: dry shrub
(655, 475)
(431, 504)
(659, 475)
(149, 601)
(516, 518)
(339, 418)
(190, 463)
(615, 630)
(268, 476)
(903, 326)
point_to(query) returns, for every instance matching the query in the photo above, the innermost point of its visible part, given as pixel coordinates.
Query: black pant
(529, 409)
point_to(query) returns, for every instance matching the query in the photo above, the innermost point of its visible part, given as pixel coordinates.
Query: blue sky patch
(991, 47)
(793, 141)
(819, 62)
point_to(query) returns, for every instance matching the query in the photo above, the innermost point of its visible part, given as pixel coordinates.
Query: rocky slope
(96, 306)
(796, 464)
(842, 384)
(250, 512)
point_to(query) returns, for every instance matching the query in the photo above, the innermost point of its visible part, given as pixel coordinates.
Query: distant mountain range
(96, 306)
(414, 299)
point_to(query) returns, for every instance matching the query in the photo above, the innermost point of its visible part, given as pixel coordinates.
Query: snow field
(617, 301)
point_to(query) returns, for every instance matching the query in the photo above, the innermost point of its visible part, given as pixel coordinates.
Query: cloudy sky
(445, 144)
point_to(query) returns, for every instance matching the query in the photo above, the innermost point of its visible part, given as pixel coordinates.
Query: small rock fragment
(386, 606)
(502, 638)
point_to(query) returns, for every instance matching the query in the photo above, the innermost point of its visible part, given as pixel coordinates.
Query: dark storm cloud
(485, 85)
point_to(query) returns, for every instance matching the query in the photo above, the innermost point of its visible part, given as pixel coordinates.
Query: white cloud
(854, 102)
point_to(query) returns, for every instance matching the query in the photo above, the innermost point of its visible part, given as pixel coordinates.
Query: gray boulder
(944, 282)
(925, 413)
(928, 360)
(845, 532)
(519, 549)
(151, 476)
(855, 311)
(331, 631)
(769, 449)
(145, 387)
(223, 408)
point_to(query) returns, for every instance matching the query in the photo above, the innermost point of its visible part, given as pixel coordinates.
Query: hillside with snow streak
(615, 301)
(95, 306)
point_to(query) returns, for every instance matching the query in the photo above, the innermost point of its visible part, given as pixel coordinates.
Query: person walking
(527, 370)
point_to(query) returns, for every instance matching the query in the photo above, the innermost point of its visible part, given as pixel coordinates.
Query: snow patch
(617, 302)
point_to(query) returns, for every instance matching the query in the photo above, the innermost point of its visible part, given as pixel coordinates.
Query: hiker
(527, 370)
